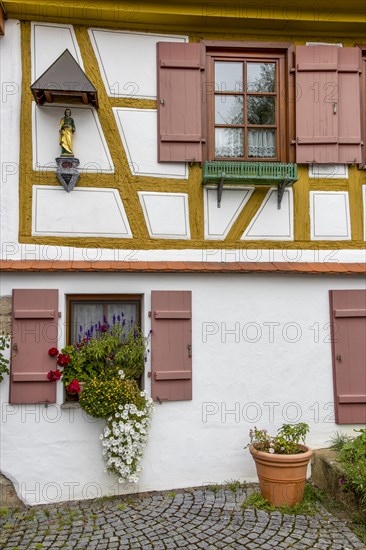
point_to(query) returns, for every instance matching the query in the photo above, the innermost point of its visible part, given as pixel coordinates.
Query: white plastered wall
(10, 86)
(261, 356)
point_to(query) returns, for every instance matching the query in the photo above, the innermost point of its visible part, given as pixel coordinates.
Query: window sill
(70, 405)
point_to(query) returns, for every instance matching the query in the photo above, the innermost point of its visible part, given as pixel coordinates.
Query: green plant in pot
(281, 462)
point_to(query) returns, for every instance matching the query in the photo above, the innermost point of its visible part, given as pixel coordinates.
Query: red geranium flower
(63, 360)
(53, 352)
(73, 387)
(54, 375)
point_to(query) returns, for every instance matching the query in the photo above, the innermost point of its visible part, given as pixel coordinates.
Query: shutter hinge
(149, 374)
(149, 314)
(59, 314)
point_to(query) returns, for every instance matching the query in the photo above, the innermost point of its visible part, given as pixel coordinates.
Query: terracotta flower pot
(282, 477)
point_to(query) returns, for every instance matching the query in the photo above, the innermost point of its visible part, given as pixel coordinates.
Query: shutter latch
(339, 357)
(160, 401)
(162, 102)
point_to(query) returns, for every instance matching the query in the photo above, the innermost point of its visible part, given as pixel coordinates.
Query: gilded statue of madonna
(67, 128)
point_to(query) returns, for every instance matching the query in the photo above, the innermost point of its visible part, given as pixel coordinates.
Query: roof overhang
(279, 16)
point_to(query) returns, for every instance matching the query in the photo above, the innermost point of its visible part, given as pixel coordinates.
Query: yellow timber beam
(211, 16)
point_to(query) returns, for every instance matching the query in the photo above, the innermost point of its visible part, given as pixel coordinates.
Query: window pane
(120, 313)
(229, 142)
(262, 143)
(84, 316)
(87, 314)
(228, 77)
(261, 77)
(261, 110)
(229, 109)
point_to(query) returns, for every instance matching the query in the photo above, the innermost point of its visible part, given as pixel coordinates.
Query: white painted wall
(127, 60)
(329, 215)
(48, 42)
(328, 171)
(166, 214)
(270, 222)
(219, 221)
(88, 141)
(10, 95)
(88, 212)
(141, 151)
(261, 356)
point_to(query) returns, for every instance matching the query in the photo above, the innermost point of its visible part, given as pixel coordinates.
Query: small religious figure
(67, 128)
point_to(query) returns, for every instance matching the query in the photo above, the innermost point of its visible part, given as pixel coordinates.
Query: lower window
(86, 311)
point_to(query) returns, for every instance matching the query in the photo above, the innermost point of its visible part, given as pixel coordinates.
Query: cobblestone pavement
(192, 519)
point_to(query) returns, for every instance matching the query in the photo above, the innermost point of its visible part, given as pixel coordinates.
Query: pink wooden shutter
(34, 332)
(316, 123)
(328, 108)
(349, 123)
(171, 345)
(348, 315)
(179, 102)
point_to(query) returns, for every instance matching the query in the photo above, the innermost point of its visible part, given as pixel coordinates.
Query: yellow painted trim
(356, 205)
(172, 244)
(247, 214)
(132, 103)
(196, 208)
(302, 205)
(25, 166)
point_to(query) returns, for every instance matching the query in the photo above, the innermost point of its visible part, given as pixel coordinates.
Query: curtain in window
(86, 315)
(262, 143)
(229, 142)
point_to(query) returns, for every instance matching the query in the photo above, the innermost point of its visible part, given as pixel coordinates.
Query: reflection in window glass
(261, 110)
(229, 109)
(229, 142)
(228, 77)
(261, 77)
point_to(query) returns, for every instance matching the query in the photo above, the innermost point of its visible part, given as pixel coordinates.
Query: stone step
(328, 474)
(8, 496)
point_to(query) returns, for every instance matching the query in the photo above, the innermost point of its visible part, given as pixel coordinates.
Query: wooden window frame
(95, 298)
(283, 54)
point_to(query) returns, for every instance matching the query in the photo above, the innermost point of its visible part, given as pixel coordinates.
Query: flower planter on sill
(282, 477)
